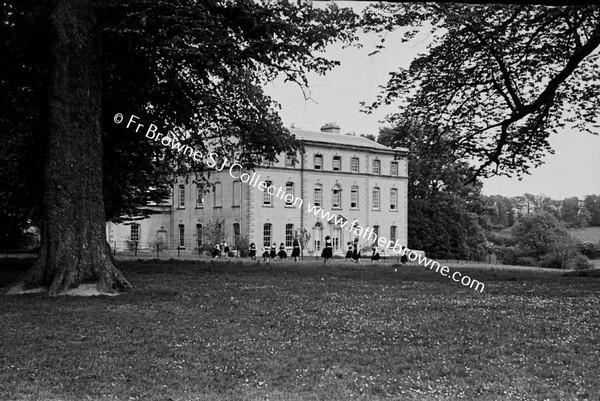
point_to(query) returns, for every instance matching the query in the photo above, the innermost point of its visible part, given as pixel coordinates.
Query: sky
(574, 169)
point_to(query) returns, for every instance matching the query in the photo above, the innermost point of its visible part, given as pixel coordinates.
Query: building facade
(351, 177)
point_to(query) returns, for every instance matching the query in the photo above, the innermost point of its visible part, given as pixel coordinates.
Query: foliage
(213, 232)
(592, 204)
(193, 68)
(570, 211)
(242, 245)
(443, 213)
(158, 245)
(540, 233)
(498, 78)
(590, 249)
(132, 245)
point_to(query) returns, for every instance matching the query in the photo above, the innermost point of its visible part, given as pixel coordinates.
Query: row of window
(268, 239)
(337, 164)
(336, 236)
(336, 191)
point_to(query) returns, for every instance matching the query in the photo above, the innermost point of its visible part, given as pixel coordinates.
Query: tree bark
(73, 244)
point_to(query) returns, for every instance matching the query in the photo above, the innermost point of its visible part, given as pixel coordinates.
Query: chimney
(332, 128)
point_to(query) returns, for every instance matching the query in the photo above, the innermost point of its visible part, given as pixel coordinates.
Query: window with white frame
(318, 236)
(318, 201)
(354, 165)
(376, 199)
(289, 160)
(182, 196)
(394, 168)
(376, 232)
(289, 190)
(267, 197)
(393, 234)
(181, 235)
(289, 235)
(376, 167)
(354, 197)
(318, 162)
(337, 163)
(267, 235)
(336, 238)
(336, 197)
(135, 232)
(199, 197)
(236, 234)
(393, 199)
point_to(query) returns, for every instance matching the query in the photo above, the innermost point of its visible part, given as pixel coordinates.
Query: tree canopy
(499, 78)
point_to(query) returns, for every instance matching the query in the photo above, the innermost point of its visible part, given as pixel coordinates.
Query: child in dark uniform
(216, 251)
(356, 252)
(273, 252)
(327, 253)
(296, 250)
(375, 257)
(252, 251)
(349, 251)
(282, 253)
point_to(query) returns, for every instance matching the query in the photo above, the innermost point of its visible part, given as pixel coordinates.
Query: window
(376, 199)
(337, 197)
(289, 235)
(267, 235)
(289, 190)
(135, 232)
(199, 197)
(393, 234)
(181, 235)
(393, 199)
(236, 234)
(376, 232)
(376, 167)
(182, 196)
(354, 197)
(336, 235)
(318, 195)
(218, 200)
(289, 160)
(337, 163)
(199, 235)
(267, 197)
(394, 168)
(318, 162)
(236, 193)
(354, 165)
(318, 235)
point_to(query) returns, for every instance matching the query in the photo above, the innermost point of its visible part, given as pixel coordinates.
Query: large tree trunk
(73, 247)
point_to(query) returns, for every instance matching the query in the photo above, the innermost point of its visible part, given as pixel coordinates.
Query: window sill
(217, 207)
(235, 206)
(267, 205)
(199, 207)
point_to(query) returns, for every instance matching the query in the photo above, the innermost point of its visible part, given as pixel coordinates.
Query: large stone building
(349, 176)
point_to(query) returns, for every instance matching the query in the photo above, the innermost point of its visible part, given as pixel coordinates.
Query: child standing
(296, 250)
(282, 253)
(327, 253)
(252, 251)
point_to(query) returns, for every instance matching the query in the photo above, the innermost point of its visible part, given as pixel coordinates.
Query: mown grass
(232, 331)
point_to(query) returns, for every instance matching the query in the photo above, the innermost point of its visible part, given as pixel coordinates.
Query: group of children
(268, 255)
(353, 252)
(220, 248)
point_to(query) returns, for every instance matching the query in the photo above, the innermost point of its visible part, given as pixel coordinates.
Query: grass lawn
(232, 331)
(591, 234)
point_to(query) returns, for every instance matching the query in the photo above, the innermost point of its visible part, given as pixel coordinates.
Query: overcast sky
(574, 170)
